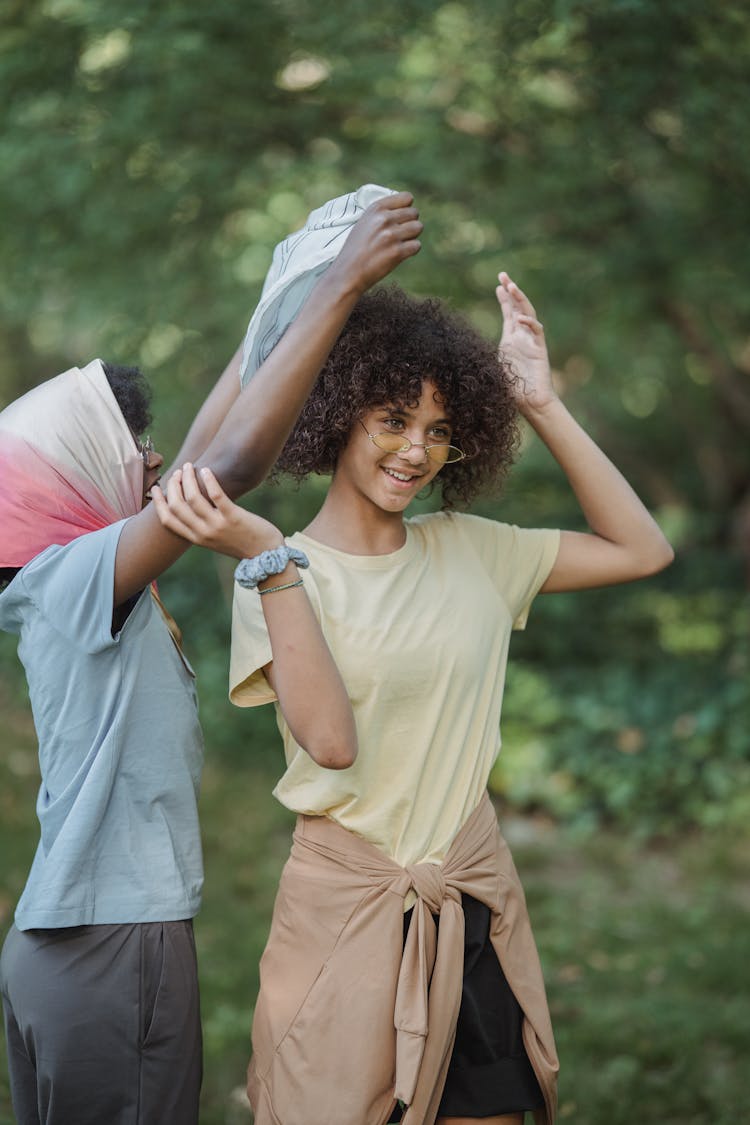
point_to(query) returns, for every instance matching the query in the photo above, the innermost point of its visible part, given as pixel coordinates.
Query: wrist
(268, 564)
(261, 546)
(342, 284)
(539, 408)
(290, 573)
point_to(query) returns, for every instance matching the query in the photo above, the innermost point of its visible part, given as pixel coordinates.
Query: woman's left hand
(523, 345)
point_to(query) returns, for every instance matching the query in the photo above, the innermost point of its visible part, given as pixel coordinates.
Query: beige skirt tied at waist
(349, 1018)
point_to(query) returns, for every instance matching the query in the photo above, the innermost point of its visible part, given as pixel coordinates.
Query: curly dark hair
(133, 395)
(391, 343)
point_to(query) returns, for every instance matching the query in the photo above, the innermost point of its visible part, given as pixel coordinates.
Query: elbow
(334, 753)
(240, 479)
(236, 475)
(668, 557)
(659, 558)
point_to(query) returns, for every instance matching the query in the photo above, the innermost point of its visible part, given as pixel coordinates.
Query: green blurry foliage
(633, 713)
(153, 155)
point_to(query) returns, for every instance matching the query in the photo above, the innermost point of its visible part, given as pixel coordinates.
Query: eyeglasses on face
(439, 452)
(145, 448)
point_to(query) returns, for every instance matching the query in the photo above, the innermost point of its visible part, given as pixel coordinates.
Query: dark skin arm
(244, 441)
(211, 414)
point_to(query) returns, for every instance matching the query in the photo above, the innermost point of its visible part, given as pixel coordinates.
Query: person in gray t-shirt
(98, 974)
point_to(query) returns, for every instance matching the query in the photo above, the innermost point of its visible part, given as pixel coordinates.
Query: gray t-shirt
(120, 746)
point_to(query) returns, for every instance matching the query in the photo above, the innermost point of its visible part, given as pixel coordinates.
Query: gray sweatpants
(103, 1024)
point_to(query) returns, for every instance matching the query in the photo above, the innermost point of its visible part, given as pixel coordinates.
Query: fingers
(402, 238)
(406, 215)
(167, 516)
(520, 302)
(409, 249)
(187, 505)
(398, 199)
(216, 493)
(503, 297)
(159, 503)
(397, 209)
(191, 490)
(189, 512)
(531, 322)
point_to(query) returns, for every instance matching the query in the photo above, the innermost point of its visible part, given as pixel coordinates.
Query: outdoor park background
(153, 154)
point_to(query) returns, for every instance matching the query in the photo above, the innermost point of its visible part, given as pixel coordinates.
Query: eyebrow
(407, 414)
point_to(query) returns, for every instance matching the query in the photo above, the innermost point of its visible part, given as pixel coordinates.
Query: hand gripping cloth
(298, 263)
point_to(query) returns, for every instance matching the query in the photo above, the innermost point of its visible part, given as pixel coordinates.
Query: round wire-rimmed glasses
(145, 448)
(439, 452)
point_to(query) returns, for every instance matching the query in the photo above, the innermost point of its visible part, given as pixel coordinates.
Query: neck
(356, 526)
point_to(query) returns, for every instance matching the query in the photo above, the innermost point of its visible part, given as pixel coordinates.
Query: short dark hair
(133, 395)
(391, 343)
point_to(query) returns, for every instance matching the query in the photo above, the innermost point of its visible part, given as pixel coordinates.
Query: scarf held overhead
(298, 263)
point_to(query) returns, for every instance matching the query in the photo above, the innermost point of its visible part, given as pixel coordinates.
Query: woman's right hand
(217, 522)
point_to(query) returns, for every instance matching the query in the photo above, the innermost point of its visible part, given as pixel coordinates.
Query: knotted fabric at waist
(430, 977)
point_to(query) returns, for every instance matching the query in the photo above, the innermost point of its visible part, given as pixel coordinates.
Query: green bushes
(633, 706)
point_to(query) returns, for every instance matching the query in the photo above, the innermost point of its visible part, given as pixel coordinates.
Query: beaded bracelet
(286, 586)
(252, 571)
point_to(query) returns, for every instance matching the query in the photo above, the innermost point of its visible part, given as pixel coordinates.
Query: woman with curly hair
(401, 981)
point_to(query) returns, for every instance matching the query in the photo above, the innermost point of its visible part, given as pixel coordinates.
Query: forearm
(633, 544)
(252, 435)
(308, 685)
(625, 543)
(211, 415)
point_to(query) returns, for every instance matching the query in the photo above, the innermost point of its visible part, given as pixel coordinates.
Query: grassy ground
(644, 948)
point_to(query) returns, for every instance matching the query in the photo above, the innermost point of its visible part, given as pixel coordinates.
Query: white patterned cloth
(298, 262)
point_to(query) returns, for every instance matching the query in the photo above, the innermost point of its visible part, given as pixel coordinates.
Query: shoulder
(72, 586)
(434, 525)
(445, 526)
(83, 552)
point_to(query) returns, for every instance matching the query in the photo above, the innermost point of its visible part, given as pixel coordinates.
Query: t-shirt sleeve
(517, 559)
(73, 587)
(11, 606)
(250, 651)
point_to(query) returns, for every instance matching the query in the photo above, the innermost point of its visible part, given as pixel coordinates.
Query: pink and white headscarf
(68, 464)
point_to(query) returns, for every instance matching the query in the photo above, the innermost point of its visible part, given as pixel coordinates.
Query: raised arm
(625, 542)
(247, 439)
(303, 674)
(255, 429)
(212, 413)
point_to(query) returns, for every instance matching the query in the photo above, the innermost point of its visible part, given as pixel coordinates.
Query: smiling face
(390, 481)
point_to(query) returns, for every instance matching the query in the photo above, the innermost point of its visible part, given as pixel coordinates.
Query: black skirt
(489, 1072)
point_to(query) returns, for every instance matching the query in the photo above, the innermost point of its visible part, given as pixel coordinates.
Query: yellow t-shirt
(421, 639)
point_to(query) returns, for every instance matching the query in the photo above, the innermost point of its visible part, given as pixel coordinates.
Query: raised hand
(216, 522)
(522, 343)
(384, 235)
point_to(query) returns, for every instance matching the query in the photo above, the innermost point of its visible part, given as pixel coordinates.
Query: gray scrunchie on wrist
(251, 572)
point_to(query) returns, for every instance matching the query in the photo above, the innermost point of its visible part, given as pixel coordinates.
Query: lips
(400, 477)
(147, 493)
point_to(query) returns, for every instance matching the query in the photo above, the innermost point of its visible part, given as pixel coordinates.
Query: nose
(415, 454)
(154, 460)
